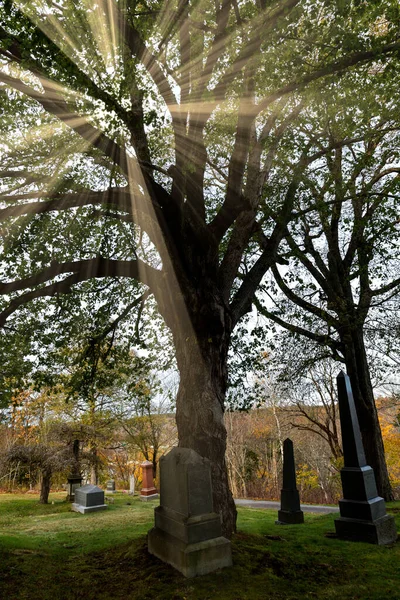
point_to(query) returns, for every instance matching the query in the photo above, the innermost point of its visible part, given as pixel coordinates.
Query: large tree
(180, 110)
(340, 246)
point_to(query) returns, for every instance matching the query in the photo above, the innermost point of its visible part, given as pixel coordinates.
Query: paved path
(322, 510)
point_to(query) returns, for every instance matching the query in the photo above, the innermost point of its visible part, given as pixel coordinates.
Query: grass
(51, 553)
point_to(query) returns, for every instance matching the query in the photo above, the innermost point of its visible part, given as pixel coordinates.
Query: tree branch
(88, 269)
(321, 339)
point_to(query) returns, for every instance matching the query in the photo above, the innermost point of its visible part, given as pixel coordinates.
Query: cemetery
(199, 299)
(112, 550)
(104, 555)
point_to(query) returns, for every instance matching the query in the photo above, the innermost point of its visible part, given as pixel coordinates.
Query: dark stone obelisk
(363, 514)
(290, 512)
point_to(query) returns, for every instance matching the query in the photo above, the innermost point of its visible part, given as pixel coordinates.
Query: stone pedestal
(148, 491)
(74, 481)
(363, 514)
(187, 532)
(88, 498)
(290, 512)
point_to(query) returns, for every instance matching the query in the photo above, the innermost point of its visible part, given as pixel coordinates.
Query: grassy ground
(51, 553)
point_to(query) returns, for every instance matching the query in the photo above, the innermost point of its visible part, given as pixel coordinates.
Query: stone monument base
(382, 531)
(190, 559)
(87, 509)
(288, 517)
(150, 497)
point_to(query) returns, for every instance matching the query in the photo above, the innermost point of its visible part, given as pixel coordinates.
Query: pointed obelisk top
(353, 449)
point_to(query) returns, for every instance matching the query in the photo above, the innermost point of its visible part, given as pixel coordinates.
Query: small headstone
(290, 512)
(74, 478)
(148, 491)
(88, 498)
(74, 482)
(363, 514)
(111, 486)
(187, 532)
(132, 485)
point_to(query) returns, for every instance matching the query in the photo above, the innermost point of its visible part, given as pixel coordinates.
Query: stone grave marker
(290, 512)
(187, 532)
(363, 514)
(131, 485)
(111, 486)
(74, 478)
(74, 482)
(148, 491)
(88, 498)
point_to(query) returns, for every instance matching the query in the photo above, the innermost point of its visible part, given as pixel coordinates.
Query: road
(313, 508)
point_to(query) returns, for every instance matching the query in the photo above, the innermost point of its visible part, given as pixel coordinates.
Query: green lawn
(51, 553)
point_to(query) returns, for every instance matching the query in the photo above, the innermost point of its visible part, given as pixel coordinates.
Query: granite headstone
(111, 486)
(290, 512)
(187, 532)
(74, 482)
(148, 491)
(363, 514)
(88, 498)
(74, 479)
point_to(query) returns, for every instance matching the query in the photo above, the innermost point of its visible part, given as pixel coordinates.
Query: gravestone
(132, 485)
(363, 514)
(187, 532)
(74, 482)
(148, 491)
(111, 486)
(74, 479)
(290, 512)
(88, 498)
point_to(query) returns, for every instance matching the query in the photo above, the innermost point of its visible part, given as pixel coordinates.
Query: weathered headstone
(363, 514)
(74, 479)
(74, 482)
(290, 512)
(111, 486)
(148, 491)
(187, 532)
(88, 498)
(132, 485)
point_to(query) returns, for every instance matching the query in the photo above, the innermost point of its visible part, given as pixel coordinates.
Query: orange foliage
(388, 411)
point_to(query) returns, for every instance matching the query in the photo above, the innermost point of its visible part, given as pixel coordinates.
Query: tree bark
(94, 467)
(202, 361)
(358, 371)
(45, 486)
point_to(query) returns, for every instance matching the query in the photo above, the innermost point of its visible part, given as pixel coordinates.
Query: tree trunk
(94, 470)
(45, 487)
(200, 409)
(358, 371)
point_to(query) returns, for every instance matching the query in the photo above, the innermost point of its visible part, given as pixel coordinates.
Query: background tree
(149, 425)
(342, 267)
(47, 458)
